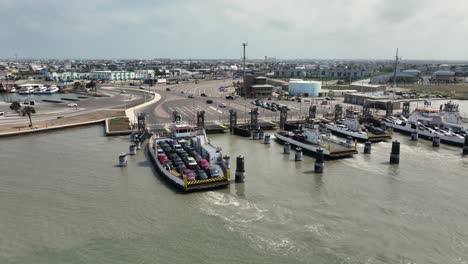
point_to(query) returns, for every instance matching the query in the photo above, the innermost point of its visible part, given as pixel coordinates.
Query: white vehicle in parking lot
(223, 105)
(72, 105)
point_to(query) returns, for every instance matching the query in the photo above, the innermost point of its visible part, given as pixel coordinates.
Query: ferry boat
(428, 123)
(310, 139)
(25, 89)
(51, 89)
(40, 89)
(350, 127)
(188, 160)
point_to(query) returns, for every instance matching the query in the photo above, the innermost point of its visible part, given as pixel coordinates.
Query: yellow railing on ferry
(210, 180)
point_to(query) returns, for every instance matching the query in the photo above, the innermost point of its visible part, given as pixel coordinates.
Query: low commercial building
(443, 76)
(256, 87)
(378, 102)
(308, 88)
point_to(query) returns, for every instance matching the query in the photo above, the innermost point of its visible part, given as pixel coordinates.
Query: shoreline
(101, 116)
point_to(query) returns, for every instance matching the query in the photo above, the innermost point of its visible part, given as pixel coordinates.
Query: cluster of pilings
(318, 167)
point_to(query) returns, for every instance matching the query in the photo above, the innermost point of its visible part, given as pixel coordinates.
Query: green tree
(112, 67)
(77, 85)
(92, 85)
(28, 111)
(15, 106)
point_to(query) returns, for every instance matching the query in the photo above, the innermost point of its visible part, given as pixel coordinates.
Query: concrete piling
(240, 169)
(122, 159)
(298, 154)
(261, 134)
(318, 167)
(267, 139)
(367, 147)
(255, 135)
(436, 141)
(395, 154)
(286, 148)
(132, 149)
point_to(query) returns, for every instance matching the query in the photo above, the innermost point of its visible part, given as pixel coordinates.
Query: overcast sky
(328, 29)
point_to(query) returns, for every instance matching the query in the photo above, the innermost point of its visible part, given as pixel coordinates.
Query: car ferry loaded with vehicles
(186, 158)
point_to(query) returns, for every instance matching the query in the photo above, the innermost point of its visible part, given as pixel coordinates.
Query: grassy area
(119, 124)
(454, 90)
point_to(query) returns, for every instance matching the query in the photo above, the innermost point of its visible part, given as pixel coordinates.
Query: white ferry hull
(452, 140)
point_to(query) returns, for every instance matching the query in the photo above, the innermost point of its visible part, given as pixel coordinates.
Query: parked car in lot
(203, 95)
(72, 105)
(190, 96)
(168, 89)
(230, 97)
(223, 105)
(209, 101)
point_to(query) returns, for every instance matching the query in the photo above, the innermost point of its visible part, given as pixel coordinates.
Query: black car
(203, 95)
(201, 174)
(230, 97)
(209, 101)
(168, 89)
(180, 167)
(214, 172)
(168, 164)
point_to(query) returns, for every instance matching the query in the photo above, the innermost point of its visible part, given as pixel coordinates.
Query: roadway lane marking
(216, 110)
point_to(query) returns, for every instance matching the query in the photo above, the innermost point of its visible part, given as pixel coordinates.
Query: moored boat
(350, 127)
(310, 139)
(418, 123)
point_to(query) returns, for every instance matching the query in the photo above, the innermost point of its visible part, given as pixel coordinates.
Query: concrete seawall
(39, 130)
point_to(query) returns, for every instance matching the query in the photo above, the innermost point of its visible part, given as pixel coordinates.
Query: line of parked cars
(180, 156)
(269, 106)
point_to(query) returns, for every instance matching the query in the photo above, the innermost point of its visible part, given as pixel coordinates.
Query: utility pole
(243, 74)
(395, 70)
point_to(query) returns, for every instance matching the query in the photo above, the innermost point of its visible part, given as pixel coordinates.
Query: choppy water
(63, 200)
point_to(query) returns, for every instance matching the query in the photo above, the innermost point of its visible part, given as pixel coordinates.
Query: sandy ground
(102, 114)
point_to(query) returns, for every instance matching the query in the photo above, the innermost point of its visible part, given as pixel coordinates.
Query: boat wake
(251, 222)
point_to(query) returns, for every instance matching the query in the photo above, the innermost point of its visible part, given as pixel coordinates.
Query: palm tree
(28, 110)
(15, 106)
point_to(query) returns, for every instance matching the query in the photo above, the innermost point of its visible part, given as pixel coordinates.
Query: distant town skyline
(215, 29)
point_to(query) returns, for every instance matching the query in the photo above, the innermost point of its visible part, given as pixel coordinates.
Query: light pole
(243, 73)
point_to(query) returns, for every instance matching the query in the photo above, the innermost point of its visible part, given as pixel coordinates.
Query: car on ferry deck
(201, 174)
(214, 172)
(203, 163)
(190, 175)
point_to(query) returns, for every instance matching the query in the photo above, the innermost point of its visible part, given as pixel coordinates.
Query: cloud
(215, 28)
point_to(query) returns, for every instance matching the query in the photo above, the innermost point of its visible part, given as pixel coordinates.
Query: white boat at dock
(350, 127)
(429, 123)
